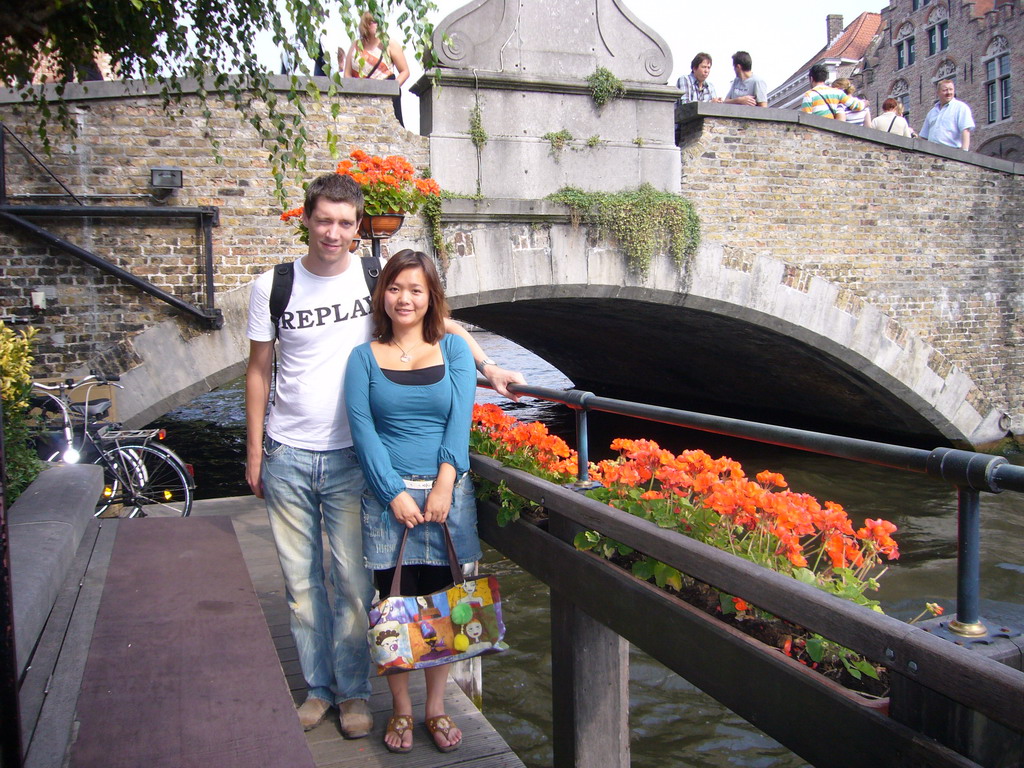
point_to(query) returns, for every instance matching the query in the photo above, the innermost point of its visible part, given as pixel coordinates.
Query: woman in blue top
(409, 395)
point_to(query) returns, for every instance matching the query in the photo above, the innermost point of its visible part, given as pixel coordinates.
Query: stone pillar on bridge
(510, 112)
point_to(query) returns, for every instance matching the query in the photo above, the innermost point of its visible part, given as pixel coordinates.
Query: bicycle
(141, 477)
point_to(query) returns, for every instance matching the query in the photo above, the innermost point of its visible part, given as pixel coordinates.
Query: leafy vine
(643, 221)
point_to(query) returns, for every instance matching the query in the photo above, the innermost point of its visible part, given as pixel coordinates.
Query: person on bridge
(891, 121)
(950, 121)
(410, 404)
(371, 58)
(299, 457)
(746, 90)
(852, 116)
(824, 100)
(695, 86)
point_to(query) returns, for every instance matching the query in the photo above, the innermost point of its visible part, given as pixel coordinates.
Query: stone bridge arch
(758, 339)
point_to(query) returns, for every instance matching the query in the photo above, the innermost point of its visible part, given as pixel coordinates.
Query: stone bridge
(845, 280)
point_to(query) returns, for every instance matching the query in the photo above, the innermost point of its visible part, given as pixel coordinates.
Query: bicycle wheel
(143, 481)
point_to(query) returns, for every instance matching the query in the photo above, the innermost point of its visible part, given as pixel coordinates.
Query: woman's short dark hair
(699, 59)
(437, 311)
(890, 105)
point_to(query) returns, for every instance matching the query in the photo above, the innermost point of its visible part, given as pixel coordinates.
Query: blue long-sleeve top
(402, 429)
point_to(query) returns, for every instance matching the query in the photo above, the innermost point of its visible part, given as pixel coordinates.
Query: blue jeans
(302, 488)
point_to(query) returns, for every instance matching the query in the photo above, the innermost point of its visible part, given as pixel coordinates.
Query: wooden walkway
(482, 746)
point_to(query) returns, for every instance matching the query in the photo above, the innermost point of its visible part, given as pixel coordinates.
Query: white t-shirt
(326, 318)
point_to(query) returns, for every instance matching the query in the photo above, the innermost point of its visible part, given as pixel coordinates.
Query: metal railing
(969, 472)
(206, 217)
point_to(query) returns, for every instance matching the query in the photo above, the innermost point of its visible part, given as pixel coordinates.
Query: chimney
(835, 27)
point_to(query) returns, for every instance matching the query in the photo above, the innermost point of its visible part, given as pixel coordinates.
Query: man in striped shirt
(822, 100)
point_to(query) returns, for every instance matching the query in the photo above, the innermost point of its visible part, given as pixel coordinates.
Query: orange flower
(769, 479)
(292, 214)
(741, 604)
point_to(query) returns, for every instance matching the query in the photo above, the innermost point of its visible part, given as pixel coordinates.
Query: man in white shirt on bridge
(950, 121)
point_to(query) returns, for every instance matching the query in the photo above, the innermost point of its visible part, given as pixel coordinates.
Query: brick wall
(119, 139)
(935, 243)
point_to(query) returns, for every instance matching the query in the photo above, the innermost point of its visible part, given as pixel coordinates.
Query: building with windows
(978, 45)
(843, 53)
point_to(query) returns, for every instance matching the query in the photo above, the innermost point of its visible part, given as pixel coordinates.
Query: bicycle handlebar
(70, 384)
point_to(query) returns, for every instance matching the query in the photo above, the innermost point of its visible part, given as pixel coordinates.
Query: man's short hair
(699, 59)
(742, 58)
(337, 189)
(945, 80)
(819, 73)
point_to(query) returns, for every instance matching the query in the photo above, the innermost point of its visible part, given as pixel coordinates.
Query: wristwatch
(485, 362)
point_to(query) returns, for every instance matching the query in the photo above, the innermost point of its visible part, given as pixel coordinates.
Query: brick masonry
(90, 315)
(932, 242)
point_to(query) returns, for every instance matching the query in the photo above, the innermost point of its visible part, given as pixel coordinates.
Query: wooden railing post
(590, 683)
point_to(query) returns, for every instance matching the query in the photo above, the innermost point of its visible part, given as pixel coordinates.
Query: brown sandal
(398, 725)
(444, 724)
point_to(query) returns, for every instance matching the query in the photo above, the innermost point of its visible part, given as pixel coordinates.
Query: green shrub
(21, 466)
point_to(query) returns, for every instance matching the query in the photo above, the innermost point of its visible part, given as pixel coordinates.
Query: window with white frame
(905, 48)
(901, 92)
(997, 79)
(938, 38)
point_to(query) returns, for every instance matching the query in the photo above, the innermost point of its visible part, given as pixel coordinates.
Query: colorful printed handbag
(457, 623)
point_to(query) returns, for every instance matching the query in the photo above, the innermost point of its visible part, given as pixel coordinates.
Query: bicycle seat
(97, 407)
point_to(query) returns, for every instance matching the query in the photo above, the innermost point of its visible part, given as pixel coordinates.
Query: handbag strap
(830, 109)
(453, 561)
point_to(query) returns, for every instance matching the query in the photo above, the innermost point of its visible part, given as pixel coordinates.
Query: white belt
(419, 485)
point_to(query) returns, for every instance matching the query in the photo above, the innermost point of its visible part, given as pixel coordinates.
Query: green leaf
(644, 569)
(726, 604)
(815, 647)
(805, 575)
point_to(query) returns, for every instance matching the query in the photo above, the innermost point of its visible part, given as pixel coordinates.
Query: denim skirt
(382, 533)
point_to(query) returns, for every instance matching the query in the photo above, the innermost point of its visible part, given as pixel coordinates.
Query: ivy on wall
(644, 221)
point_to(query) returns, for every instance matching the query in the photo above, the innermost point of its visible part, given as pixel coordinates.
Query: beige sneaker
(312, 712)
(356, 720)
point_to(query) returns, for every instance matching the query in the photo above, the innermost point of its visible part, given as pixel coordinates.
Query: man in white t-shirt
(300, 457)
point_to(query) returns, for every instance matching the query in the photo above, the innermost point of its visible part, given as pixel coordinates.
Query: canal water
(672, 723)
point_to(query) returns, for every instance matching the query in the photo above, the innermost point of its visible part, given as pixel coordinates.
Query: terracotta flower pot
(380, 225)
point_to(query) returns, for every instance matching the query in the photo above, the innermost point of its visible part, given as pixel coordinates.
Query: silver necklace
(405, 358)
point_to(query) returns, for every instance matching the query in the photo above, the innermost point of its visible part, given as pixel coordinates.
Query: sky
(780, 36)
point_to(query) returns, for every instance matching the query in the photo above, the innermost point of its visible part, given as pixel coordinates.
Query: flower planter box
(791, 703)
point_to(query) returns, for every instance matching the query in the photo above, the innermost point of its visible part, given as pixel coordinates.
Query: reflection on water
(671, 722)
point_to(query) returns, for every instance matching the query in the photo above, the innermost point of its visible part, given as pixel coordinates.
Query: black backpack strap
(281, 291)
(371, 271)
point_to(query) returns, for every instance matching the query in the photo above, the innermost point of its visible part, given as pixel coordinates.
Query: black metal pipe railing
(210, 316)
(969, 472)
(3, 163)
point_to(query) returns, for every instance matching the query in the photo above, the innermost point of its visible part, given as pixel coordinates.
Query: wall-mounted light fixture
(164, 181)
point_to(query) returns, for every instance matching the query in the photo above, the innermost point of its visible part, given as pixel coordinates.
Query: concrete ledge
(444, 78)
(45, 525)
(495, 209)
(119, 89)
(693, 111)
